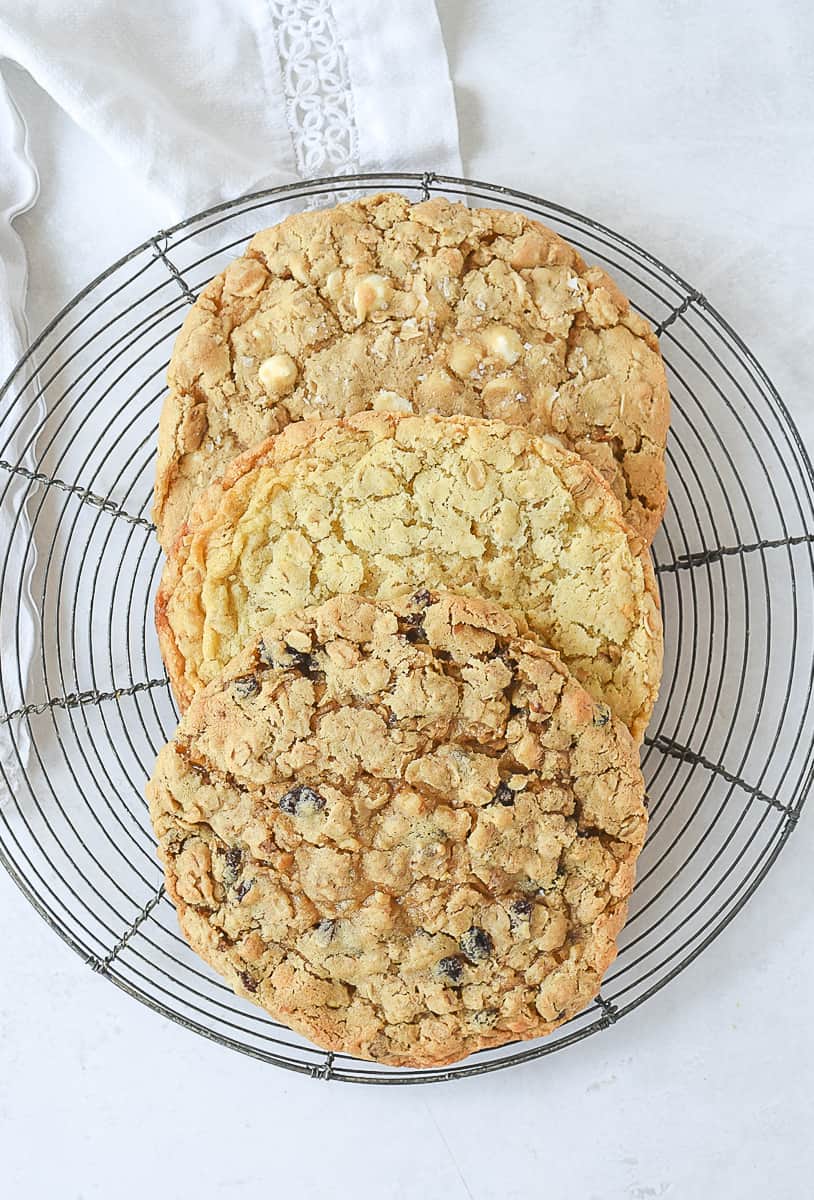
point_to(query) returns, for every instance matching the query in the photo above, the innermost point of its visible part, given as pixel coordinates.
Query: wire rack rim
(158, 246)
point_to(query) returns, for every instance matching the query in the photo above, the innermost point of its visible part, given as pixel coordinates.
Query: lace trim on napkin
(316, 83)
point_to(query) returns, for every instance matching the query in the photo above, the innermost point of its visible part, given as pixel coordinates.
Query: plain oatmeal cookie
(426, 308)
(384, 505)
(402, 828)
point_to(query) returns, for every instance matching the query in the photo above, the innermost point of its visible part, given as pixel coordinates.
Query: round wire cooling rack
(84, 699)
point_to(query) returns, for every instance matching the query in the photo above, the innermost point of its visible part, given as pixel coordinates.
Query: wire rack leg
(686, 562)
(82, 494)
(77, 699)
(159, 244)
(427, 180)
(325, 1069)
(101, 965)
(610, 1012)
(678, 311)
(676, 750)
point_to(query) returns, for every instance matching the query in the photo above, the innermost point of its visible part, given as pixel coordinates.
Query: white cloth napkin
(18, 192)
(203, 102)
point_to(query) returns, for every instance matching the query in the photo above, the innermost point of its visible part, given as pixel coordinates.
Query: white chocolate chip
(437, 387)
(503, 388)
(333, 284)
(463, 358)
(278, 374)
(503, 343)
(573, 283)
(371, 294)
(385, 401)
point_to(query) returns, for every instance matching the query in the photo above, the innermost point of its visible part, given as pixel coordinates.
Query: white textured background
(690, 128)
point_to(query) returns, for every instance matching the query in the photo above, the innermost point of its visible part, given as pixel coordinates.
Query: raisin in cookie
(432, 307)
(383, 505)
(403, 829)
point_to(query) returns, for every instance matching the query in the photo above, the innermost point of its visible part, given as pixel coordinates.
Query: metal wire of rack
(729, 758)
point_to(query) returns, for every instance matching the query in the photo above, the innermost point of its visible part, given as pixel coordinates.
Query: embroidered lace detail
(319, 100)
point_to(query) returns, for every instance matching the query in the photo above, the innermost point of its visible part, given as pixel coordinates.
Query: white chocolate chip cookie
(454, 310)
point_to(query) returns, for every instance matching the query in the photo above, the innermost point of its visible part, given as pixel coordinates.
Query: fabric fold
(19, 187)
(401, 84)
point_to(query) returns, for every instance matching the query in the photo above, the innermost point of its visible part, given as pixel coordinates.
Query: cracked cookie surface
(426, 308)
(383, 505)
(402, 828)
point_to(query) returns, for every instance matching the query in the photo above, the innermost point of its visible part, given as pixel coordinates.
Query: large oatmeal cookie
(402, 828)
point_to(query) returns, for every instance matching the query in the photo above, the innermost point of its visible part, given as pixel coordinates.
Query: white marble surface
(690, 128)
